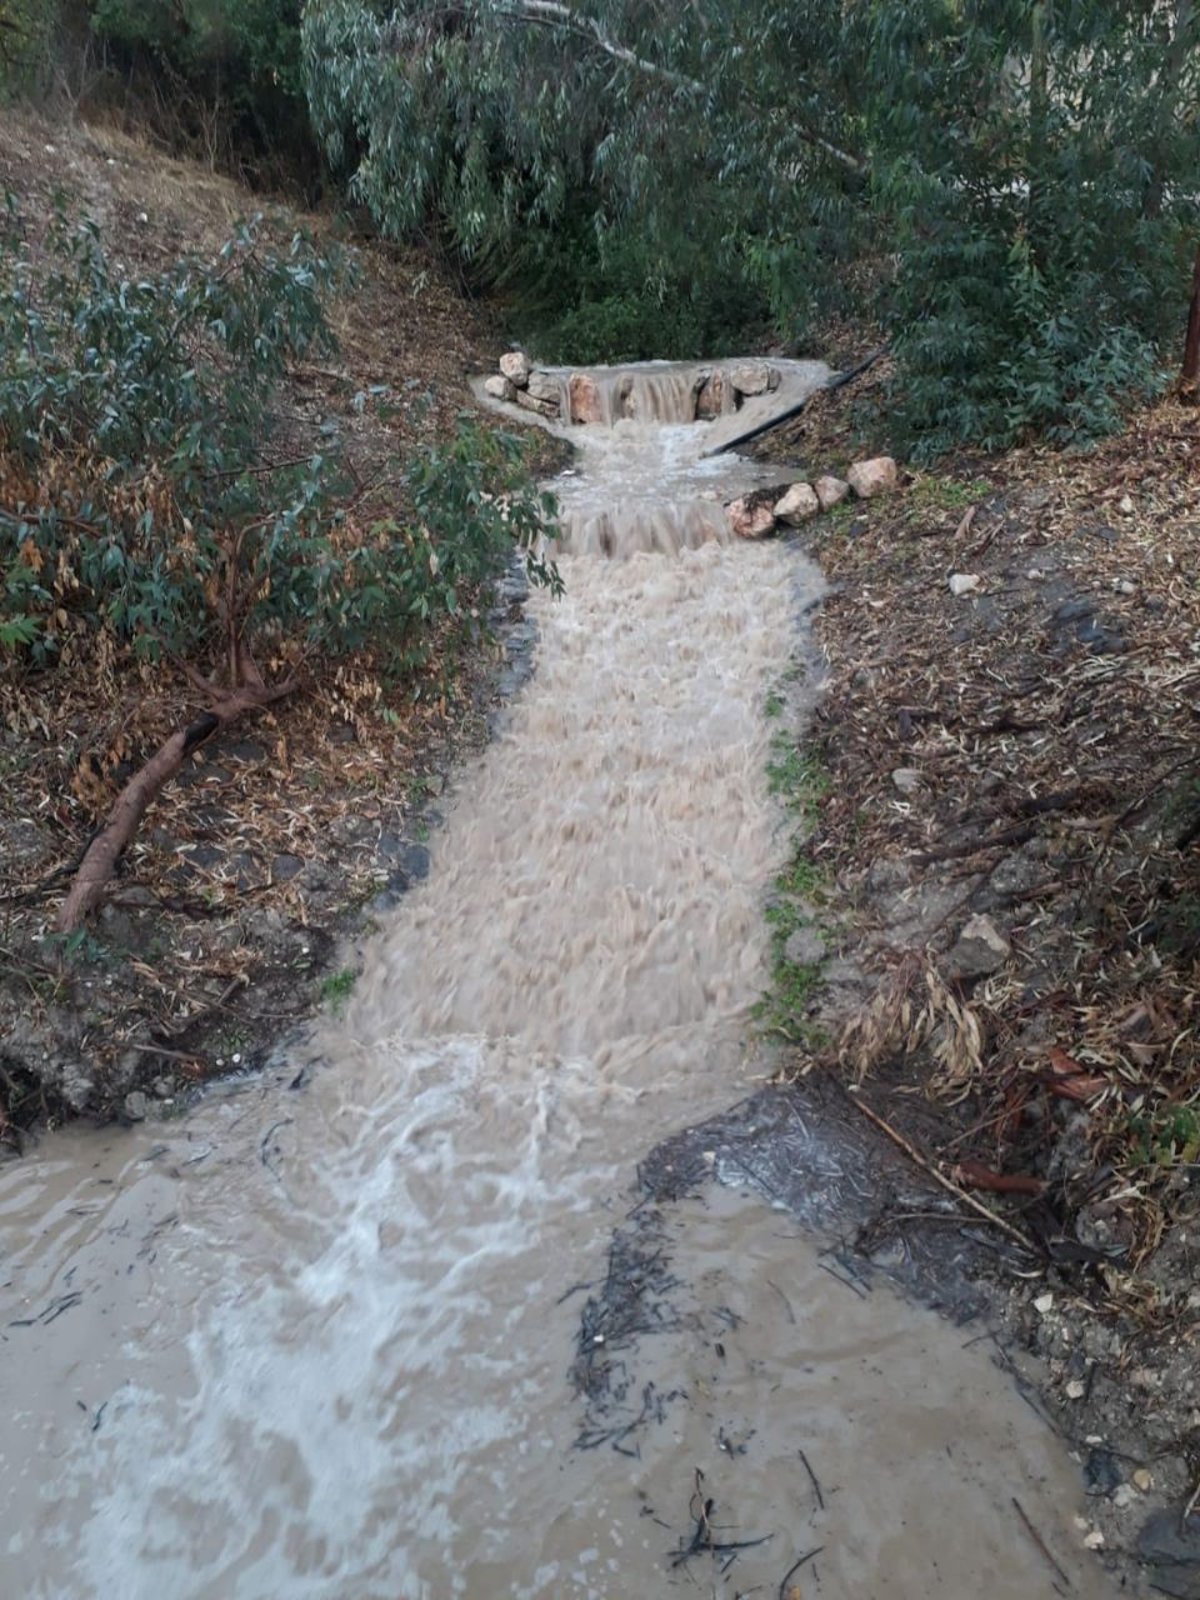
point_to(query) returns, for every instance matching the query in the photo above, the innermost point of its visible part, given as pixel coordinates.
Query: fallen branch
(810, 1555)
(914, 1155)
(975, 1175)
(973, 847)
(1039, 1541)
(131, 804)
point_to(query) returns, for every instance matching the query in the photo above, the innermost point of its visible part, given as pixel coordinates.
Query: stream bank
(223, 925)
(1002, 831)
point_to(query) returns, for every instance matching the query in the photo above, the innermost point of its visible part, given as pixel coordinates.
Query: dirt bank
(1001, 815)
(276, 841)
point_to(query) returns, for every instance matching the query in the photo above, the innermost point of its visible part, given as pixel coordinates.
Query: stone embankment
(606, 396)
(580, 399)
(755, 516)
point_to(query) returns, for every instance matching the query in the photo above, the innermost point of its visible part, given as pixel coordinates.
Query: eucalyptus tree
(1011, 187)
(522, 126)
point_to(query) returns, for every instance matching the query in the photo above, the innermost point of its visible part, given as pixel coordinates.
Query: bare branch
(556, 14)
(131, 804)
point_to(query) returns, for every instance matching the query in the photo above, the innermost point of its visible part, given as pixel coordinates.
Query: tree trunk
(1174, 61)
(1039, 122)
(1189, 378)
(131, 804)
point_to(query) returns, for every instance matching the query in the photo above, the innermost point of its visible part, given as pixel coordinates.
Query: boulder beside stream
(750, 518)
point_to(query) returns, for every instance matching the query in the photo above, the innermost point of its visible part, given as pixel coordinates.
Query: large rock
(543, 408)
(500, 388)
(542, 386)
(869, 478)
(515, 366)
(798, 504)
(750, 520)
(980, 950)
(714, 397)
(752, 377)
(831, 491)
(584, 398)
(136, 1106)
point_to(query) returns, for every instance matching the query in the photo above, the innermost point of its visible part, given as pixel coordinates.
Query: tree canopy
(1010, 188)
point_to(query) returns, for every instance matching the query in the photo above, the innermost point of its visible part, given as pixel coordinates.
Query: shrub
(1037, 165)
(995, 354)
(144, 507)
(1010, 187)
(628, 300)
(219, 78)
(26, 34)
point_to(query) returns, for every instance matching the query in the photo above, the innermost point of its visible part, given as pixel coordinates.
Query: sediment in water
(315, 1340)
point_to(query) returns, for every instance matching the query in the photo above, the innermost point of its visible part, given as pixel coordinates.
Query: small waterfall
(651, 392)
(623, 529)
(648, 437)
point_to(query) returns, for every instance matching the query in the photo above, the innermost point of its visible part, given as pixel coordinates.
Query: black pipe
(836, 382)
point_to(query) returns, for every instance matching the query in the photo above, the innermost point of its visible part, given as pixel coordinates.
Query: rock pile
(755, 516)
(583, 399)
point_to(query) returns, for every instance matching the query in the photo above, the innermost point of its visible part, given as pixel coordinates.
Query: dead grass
(1050, 717)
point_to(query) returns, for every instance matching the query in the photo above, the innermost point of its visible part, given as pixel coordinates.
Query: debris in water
(792, 1594)
(1041, 1543)
(50, 1313)
(812, 1478)
(704, 1540)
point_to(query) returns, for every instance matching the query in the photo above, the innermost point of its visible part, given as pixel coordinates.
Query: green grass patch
(801, 780)
(803, 877)
(946, 494)
(1169, 1138)
(843, 514)
(797, 776)
(336, 989)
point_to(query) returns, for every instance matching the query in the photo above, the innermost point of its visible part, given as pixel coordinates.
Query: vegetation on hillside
(1009, 189)
(221, 76)
(150, 512)
(221, 80)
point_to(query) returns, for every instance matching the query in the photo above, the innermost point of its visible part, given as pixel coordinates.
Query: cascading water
(312, 1342)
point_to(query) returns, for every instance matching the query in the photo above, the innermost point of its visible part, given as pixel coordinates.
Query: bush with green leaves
(26, 33)
(1020, 180)
(551, 175)
(1043, 219)
(222, 76)
(583, 298)
(148, 510)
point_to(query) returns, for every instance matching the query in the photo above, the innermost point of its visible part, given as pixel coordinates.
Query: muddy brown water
(312, 1341)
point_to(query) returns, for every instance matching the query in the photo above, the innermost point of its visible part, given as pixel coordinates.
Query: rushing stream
(313, 1341)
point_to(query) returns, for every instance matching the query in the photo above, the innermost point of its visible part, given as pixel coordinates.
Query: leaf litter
(235, 889)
